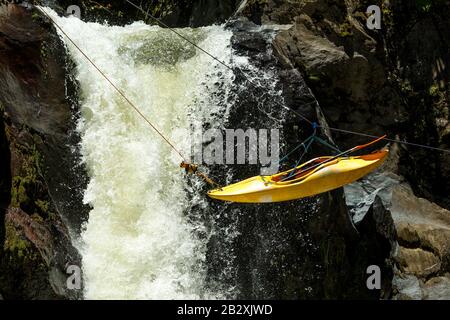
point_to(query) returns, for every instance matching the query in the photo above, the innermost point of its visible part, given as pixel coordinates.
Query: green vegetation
(424, 5)
(163, 8)
(388, 17)
(44, 57)
(27, 181)
(314, 78)
(35, 16)
(345, 29)
(16, 243)
(42, 205)
(428, 5)
(434, 90)
(19, 191)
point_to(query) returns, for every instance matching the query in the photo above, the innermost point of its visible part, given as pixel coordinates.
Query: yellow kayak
(313, 177)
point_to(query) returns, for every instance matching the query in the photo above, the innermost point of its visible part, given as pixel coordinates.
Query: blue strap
(308, 140)
(300, 159)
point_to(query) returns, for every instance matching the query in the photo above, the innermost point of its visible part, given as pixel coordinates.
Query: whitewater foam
(137, 243)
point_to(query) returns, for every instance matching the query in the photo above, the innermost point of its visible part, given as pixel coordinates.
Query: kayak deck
(313, 177)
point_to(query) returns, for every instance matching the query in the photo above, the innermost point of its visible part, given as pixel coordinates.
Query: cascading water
(152, 233)
(138, 242)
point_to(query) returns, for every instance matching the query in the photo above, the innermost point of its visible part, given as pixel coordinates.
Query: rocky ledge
(39, 188)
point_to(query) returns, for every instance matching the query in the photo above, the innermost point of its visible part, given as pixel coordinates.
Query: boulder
(422, 232)
(437, 288)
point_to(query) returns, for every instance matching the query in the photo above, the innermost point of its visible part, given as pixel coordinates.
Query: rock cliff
(393, 80)
(40, 189)
(330, 67)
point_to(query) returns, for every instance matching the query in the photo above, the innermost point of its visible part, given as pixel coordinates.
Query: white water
(137, 243)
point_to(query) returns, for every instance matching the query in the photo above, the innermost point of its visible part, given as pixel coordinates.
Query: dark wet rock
(343, 65)
(43, 119)
(417, 48)
(32, 240)
(41, 193)
(272, 255)
(182, 13)
(422, 232)
(391, 81)
(305, 249)
(376, 244)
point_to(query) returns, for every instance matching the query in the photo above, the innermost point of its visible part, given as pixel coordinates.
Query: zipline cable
(190, 168)
(160, 22)
(391, 140)
(114, 86)
(256, 86)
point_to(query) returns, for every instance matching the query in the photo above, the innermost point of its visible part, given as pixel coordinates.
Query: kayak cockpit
(299, 172)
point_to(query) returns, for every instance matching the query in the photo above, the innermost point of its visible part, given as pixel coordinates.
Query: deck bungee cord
(354, 167)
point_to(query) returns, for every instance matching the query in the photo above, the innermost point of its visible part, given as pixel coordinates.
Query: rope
(198, 173)
(343, 153)
(276, 101)
(147, 14)
(391, 140)
(327, 144)
(300, 159)
(204, 176)
(306, 145)
(308, 141)
(114, 86)
(256, 86)
(295, 149)
(207, 179)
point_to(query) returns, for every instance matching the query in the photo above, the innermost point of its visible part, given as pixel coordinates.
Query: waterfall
(138, 242)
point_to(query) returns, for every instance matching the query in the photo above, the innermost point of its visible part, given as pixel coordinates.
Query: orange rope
(184, 163)
(115, 87)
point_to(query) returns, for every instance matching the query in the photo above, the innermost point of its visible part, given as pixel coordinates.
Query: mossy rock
(23, 269)
(434, 90)
(18, 246)
(345, 29)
